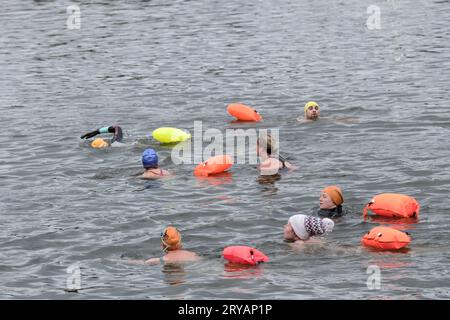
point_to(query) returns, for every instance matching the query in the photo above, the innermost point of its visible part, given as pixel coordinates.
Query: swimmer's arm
(116, 130)
(290, 166)
(301, 244)
(118, 136)
(154, 261)
(111, 129)
(348, 120)
(129, 261)
(90, 134)
(317, 241)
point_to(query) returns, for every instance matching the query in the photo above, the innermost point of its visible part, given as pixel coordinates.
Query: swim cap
(307, 226)
(335, 194)
(99, 143)
(310, 104)
(149, 158)
(171, 238)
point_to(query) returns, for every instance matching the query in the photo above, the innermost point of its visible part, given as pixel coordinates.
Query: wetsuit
(332, 213)
(283, 162)
(118, 135)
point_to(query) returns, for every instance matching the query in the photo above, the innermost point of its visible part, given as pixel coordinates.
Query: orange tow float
(213, 165)
(243, 112)
(385, 238)
(244, 255)
(393, 205)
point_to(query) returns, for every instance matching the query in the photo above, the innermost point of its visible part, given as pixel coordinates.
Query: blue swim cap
(149, 158)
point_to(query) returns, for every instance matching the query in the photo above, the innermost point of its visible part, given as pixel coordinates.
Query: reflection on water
(265, 180)
(392, 263)
(268, 183)
(174, 273)
(219, 179)
(385, 251)
(242, 271)
(396, 223)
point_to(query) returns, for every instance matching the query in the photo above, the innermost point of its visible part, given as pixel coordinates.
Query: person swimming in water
(150, 164)
(100, 143)
(172, 248)
(311, 112)
(330, 203)
(270, 161)
(301, 227)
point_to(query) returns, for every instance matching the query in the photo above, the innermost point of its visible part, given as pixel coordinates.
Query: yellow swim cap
(310, 104)
(99, 143)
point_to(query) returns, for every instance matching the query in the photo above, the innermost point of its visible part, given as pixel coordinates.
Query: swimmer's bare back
(272, 166)
(177, 256)
(155, 174)
(310, 244)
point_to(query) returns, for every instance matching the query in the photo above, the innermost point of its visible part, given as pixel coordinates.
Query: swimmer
(150, 164)
(311, 112)
(330, 203)
(99, 143)
(270, 163)
(301, 227)
(172, 247)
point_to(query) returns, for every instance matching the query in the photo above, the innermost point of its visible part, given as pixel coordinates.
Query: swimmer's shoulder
(302, 119)
(181, 256)
(150, 175)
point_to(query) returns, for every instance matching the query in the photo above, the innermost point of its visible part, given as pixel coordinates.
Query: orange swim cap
(99, 143)
(171, 238)
(335, 194)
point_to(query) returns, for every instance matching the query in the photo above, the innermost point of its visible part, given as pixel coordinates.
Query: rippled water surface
(145, 64)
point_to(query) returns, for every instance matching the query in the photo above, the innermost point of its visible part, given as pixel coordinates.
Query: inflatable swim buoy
(393, 205)
(244, 255)
(213, 165)
(243, 112)
(170, 135)
(385, 238)
(99, 143)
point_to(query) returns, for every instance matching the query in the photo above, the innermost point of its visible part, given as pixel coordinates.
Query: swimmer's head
(289, 233)
(331, 197)
(149, 158)
(171, 239)
(99, 143)
(304, 226)
(312, 111)
(266, 145)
